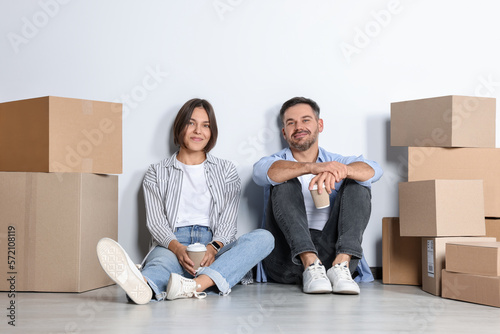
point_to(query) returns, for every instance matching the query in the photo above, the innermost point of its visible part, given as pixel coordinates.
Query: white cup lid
(196, 247)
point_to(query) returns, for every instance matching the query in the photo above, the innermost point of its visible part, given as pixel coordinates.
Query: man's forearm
(360, 171)
(284, 170)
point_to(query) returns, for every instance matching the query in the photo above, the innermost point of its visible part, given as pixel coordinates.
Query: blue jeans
(286, 219)
(232, 262)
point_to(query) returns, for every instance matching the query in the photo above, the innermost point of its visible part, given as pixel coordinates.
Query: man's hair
(184, 116)
(297, 100)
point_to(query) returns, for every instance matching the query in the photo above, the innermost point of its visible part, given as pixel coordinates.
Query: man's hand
(331, 172)
(328, 173)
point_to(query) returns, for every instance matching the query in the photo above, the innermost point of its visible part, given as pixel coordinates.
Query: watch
(215, 245)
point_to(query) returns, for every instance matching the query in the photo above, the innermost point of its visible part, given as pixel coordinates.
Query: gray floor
(256, 308)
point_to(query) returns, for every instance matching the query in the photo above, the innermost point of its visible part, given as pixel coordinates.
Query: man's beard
(304, 145)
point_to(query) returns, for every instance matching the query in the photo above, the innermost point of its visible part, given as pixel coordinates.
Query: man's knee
(356, 190)
(290, 187)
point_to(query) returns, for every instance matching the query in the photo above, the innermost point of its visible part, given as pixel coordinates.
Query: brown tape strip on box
(87, 107)
(29, 265)
(87, 164)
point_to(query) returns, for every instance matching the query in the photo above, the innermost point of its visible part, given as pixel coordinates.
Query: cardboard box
(447, 121)
(433, 260)
(55, 134)
(50, 224)
(474, 258)
(493, 228)
(401, 256)
(472, 288)
(429, 163)
(441, 208)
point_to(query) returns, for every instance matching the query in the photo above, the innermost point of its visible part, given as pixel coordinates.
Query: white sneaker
(315, 280)
(341, 279)
(182, 287)
(120, 268)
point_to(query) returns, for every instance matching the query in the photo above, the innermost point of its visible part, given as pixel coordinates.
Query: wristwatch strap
(215, 245)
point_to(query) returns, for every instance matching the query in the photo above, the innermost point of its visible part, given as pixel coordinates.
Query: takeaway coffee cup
(196, 252)
(322, 200)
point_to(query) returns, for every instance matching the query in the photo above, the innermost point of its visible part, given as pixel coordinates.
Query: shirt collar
(173, 162)
(289, 156)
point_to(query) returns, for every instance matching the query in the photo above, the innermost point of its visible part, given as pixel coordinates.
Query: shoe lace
(189, 289)
(317, 271)
(344, 272)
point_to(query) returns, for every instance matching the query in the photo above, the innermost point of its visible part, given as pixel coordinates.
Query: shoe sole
(346, 292)
(318, 291)
(113, 260)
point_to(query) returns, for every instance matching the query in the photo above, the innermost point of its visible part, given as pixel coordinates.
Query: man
(310, 241)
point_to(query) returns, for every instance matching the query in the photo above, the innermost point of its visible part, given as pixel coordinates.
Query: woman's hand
(181, 252)
(209, 257)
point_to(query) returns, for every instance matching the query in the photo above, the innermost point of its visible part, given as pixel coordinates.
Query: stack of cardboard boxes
(453, 181)
(56, 197)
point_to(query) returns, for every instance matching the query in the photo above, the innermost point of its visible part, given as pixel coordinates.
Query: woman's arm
(156, 219)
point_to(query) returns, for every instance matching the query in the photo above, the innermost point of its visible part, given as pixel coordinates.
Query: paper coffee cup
(322, 200)
(196, 252)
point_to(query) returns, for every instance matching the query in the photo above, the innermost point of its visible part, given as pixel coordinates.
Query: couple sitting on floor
(193, 197)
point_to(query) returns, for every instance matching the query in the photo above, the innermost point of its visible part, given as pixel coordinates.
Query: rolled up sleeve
(260, 169)
(376, 168)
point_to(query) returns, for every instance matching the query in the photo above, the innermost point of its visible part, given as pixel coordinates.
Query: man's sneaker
(315, 280)
(341, 279)
(182, 287)
(120, 268)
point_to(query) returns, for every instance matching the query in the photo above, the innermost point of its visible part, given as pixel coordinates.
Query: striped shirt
(162, 192)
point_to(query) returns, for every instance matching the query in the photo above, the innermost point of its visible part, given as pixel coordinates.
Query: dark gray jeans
(286, 219)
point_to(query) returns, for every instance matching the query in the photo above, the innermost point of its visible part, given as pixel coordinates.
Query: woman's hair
(184, 116)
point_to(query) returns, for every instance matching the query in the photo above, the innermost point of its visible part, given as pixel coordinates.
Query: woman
(190, 197)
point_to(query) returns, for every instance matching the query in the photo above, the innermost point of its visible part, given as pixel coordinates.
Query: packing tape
(29, 265)
(87, 107)
(87, 164)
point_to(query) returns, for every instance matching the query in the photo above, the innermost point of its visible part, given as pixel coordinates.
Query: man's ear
(283, 132)
(320, 125)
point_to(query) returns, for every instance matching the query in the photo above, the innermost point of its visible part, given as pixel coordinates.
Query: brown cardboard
(429, 163)
(493, 228)
(401, 256)
(447, 121)
(472, 288)
(58, 220)
(433, 260)
(441, 208)
(474, 258)
(55, 134)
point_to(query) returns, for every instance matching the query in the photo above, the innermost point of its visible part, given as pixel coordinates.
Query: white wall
(247, 57)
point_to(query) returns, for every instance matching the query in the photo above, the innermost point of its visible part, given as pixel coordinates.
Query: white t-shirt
(194, 206)
(316, 218)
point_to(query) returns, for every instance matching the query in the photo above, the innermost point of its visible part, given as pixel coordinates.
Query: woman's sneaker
(315, 280)
(120, 268)
(341, 279)
(182, 287)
